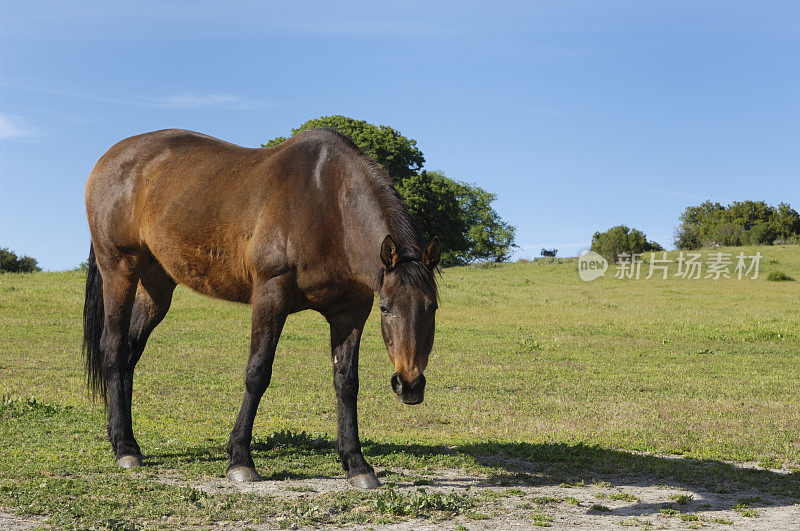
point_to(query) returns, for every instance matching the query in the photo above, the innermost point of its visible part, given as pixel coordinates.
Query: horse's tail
(93, 318)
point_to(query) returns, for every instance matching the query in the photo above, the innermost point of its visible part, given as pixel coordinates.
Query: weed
(542, 519)
(421, 503)
(623, 496)
(636, 522)
(745, 510)
(529, 344)
(681, 499)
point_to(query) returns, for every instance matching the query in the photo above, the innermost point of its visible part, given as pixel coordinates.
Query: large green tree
(461, 215)
(740, 223)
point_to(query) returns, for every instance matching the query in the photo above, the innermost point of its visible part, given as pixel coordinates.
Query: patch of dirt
(610, 503)
(17, 523)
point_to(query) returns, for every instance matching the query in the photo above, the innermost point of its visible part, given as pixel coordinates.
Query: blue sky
(579, 115)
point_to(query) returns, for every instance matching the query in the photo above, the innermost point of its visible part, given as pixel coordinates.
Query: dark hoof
(243, 474)
(365, 481)
(129, 461)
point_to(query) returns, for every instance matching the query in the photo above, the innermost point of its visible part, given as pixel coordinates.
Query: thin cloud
(12, 127)
(185, 101)
(202, 101)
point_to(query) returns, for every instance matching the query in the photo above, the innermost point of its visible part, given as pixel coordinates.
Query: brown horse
(312, 223)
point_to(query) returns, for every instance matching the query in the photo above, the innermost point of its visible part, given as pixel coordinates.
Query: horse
(312, 223)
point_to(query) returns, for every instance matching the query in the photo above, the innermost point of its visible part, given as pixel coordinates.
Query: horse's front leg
(345, 338)
(269, 315)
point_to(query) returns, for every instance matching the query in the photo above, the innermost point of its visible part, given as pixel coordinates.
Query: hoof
(129, 461)
(365, 481)
(243, 474)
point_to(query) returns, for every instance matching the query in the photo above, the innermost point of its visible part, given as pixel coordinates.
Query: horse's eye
(383, 308)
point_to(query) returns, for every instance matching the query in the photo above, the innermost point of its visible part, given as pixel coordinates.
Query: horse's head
(408, 309)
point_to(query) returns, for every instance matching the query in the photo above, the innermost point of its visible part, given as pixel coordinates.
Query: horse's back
(215, 214)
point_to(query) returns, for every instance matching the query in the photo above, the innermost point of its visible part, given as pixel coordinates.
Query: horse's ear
(389, 255)
(432, 253)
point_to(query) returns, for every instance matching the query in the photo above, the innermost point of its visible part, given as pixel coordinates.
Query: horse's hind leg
(120, 278)
(153, 298)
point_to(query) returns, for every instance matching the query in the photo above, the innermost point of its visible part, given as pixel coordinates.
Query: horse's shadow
(508, 465)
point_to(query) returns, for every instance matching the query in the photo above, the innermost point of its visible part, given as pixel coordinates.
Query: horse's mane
(402, 226)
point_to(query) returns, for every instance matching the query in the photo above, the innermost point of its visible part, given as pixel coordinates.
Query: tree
(787, 221)
(548, 253)
(460, 214)
(621, 239)
(740, 223)
(10, 263)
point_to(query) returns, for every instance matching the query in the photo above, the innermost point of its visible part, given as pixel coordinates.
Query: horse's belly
(207, 269)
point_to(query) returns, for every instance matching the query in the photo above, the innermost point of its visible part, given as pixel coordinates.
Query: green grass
(529, 362)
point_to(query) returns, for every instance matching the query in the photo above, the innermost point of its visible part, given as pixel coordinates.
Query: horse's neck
(373, 222)
(367, 265)
(369, 227)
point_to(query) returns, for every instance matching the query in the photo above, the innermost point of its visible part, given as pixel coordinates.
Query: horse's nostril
(397, 384)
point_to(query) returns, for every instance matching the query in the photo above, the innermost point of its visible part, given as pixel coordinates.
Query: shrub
(778, 276)
(621, 239)
(10, 263)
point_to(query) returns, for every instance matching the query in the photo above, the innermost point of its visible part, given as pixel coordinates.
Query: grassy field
(529, 362)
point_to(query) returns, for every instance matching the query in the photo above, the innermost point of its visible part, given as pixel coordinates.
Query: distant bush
(548, 253)
(791, 240)
(740, 223)
(621, 239)
(778, 276)
(11, 263)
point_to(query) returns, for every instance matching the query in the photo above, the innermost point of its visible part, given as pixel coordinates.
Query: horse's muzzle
(410, 393)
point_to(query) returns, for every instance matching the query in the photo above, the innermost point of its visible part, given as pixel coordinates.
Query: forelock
(414, 274)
